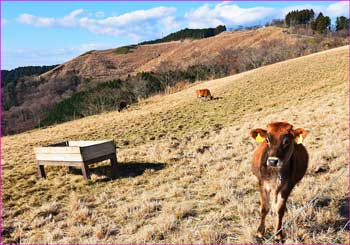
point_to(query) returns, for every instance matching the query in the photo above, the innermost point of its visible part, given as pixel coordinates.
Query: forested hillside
(8, 76)
(9, 79)
(189, 34)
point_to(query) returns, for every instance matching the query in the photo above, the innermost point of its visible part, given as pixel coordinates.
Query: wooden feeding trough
(76, 154)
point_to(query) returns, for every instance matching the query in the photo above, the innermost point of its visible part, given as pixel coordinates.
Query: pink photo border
(159, 2)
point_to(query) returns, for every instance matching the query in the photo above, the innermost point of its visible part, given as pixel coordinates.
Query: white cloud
(316, 8)
(170, 24)
(91, 46)
(138, 16)
(338, 9)
(36, 21)
(69, 20)
(228, 14)
(153, 23)
(333, 10)
(136, 24)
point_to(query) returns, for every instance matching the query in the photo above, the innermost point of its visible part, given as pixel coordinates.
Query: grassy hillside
(184, 164)
(222, 55)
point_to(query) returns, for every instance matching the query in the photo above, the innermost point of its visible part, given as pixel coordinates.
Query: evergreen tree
(321, 24)
(299, 17)
(342, 23)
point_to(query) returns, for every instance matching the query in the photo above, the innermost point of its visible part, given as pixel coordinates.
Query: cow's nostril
(272, 162)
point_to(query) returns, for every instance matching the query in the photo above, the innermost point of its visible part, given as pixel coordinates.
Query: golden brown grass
(184, 164)
(104, 65)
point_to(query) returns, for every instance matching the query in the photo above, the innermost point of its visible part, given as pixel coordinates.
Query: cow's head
(280, 138)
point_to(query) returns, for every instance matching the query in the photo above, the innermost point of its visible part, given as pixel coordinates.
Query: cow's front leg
(281, 209)
(264, 209)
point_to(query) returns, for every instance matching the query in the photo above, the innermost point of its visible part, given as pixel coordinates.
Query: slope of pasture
(184, 164)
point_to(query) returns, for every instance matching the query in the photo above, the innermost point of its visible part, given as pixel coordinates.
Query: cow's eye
(286, 141)
(268, 138)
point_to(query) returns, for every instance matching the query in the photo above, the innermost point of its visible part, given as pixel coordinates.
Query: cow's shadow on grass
(217, 98)
(124, 170)
(342, 207)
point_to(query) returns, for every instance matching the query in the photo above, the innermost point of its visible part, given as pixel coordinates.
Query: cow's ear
(299, 135)
(258, 134)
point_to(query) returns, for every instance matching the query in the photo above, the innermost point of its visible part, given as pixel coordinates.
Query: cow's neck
(276, 176)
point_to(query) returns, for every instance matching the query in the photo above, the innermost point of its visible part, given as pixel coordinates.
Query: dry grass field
(184, 164)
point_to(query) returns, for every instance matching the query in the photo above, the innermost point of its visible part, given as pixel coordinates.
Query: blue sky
(46, 33)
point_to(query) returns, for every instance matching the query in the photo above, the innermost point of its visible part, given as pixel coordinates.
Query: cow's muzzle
(274, 162)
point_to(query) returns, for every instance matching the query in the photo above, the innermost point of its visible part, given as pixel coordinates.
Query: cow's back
(203, 93)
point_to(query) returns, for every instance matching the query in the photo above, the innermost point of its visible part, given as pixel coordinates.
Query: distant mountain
(9, 80)
(189, 34)
(8, 76)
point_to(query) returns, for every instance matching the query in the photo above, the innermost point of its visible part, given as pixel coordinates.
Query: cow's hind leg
(264, 209)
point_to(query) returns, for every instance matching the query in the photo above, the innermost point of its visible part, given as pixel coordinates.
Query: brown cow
(204, 93)
(122, 105)
(279, 163)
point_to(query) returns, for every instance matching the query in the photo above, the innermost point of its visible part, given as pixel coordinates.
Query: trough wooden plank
(59, 163)
(95, 151)
(100, 159)
(64, 143)
(57, 150)
(83, 143)
(59, 157)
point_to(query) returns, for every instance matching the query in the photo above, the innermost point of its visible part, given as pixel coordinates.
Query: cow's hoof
(260, 232)
(279, 236)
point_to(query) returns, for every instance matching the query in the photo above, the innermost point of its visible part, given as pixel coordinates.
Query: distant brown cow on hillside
(122, 105)
(204, 93)
(279, 163)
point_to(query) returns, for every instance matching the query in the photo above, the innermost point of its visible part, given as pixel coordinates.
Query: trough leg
(85, 170)
(70, 169)
(114, 165)
(41, 171)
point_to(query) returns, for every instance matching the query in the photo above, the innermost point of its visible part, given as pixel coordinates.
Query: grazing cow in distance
(122, 105)
(204, 93)
(279, 163)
